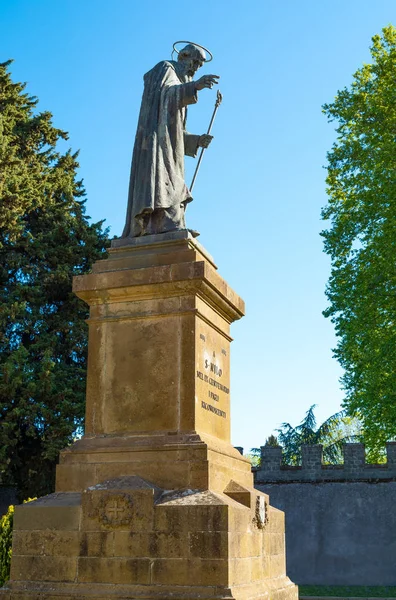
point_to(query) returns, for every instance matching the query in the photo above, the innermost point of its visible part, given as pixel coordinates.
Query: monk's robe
(157, 190)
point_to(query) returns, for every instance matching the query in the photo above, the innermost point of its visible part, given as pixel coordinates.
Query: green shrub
(6, 524)
(5, 544)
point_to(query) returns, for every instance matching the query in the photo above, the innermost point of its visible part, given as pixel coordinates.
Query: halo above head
(194, 44)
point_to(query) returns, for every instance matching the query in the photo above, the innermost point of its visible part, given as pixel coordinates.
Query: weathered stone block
(257, 568)
(199, 475)
(240, 571)
(75, 478)
(43, 568)
(247, 544)
(46, 542)
(167, 545)
(354, 457)
(213, 544)
(56, 511)
(271, 458)
(238, 493)
(98, 543)
(277, 543)
(312, 458)
(240, 519)
(276, 520)
(177, 472)
(114, 570)
(266, 566)
(277, 565)
(125, 503)
(185, 571)
(267, 542)
(171, 516)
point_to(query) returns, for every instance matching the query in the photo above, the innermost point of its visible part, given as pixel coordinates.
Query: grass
(349, 591)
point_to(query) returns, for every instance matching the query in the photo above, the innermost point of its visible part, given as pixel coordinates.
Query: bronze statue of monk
(158, 194)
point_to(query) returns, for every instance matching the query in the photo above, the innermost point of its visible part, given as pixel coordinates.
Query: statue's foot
(193, 232)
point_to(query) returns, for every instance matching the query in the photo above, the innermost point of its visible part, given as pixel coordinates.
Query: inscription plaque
(212, 388)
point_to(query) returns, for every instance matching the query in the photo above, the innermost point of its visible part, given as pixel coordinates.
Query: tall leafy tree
(45, 239)
(361, 240)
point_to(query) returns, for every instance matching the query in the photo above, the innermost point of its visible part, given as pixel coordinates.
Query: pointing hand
(207, 81)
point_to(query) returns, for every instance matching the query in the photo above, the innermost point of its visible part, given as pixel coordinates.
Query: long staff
(219, 98)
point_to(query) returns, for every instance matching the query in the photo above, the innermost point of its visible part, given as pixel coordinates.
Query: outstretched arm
(207, 81)
(189, 90)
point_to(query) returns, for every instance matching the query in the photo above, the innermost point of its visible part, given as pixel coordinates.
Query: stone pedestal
(153, 501)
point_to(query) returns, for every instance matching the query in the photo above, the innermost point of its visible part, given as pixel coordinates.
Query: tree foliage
(333, 433)
(45, 239)
(272, 440)
(361, 240)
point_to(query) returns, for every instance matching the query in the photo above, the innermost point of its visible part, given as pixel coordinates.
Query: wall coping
(354, 467)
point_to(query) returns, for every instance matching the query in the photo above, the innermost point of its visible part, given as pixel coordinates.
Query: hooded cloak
(157, 191)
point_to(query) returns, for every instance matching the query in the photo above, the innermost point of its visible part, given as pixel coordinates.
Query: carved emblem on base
(115, 510)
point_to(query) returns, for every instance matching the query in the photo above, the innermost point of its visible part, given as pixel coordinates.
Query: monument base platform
(70, 591)
(128, 539)
(67, 591)
(154, 502)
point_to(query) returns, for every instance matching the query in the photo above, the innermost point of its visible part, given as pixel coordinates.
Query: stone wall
(312, 469)
(340, 519)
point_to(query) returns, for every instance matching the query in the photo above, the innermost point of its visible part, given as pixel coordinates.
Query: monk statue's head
(191, 59)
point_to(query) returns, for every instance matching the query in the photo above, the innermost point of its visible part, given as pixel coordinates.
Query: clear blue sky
(258, 197)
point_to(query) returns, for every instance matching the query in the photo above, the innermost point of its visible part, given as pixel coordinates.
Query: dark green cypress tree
(45, 239)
